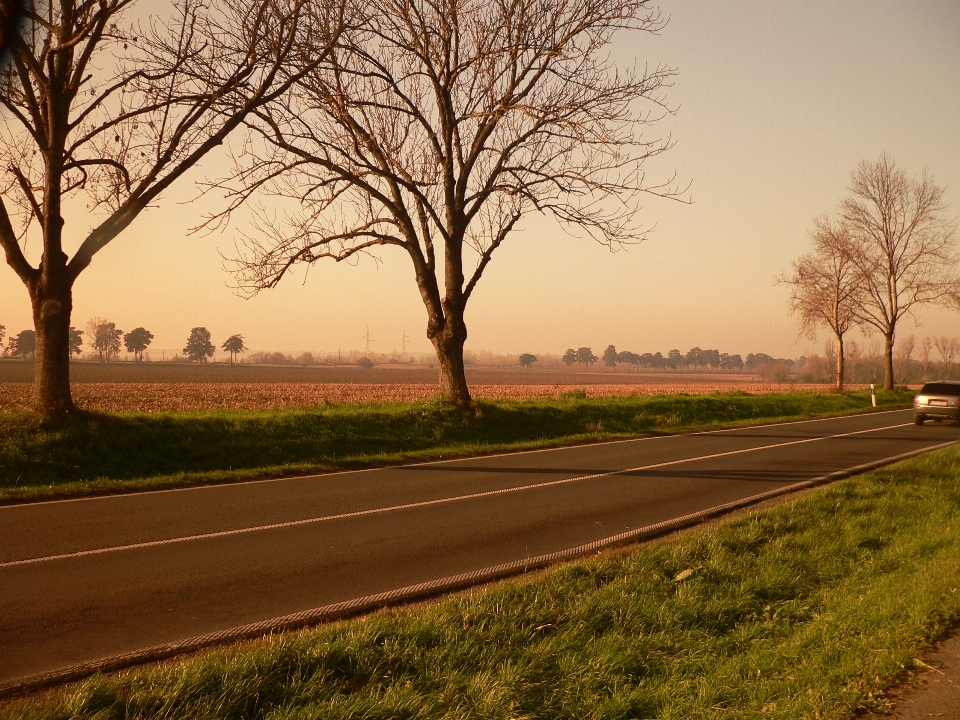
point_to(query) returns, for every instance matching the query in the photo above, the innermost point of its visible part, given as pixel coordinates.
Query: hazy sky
(778, 103)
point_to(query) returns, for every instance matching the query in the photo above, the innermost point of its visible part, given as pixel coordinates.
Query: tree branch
(11, 248)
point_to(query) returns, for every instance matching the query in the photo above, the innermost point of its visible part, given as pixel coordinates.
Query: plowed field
(156, 397)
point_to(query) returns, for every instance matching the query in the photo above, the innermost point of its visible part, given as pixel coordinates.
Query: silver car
(937, 400)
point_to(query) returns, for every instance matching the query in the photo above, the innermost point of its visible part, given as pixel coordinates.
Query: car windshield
(940, 389)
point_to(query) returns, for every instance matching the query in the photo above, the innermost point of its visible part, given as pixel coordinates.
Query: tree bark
(888, 361)
(448, 341)
(52, 302)
(839, 362)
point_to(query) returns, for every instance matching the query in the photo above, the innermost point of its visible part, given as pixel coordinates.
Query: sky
(777, 103)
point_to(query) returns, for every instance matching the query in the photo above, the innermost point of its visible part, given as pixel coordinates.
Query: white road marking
(445, 461)
(427, 503)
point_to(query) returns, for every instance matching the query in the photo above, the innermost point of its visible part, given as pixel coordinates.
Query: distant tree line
(694, 359)
(105, 338)
(932, 358)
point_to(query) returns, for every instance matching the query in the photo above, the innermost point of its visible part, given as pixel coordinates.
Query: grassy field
(811, 608)
(100, 452)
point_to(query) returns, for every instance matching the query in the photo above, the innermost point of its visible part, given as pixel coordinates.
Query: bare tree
(948, 347)
(830, 356)
(854, 355)
(104, 337)
(825, 289)
(434, 129)
(925, 347)
(906, 249)
(102, 112)
(905, 348)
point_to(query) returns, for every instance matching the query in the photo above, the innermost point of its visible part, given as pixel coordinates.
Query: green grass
(104, 452)
(810, 608)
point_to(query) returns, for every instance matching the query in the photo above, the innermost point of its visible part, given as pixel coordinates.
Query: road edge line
(421, 591)
(438, 461)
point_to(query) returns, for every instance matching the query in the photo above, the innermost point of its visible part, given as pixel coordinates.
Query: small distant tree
(74, 340)
(526, 360)
(365, 362)
(569, 357)
(234, 345)
(137, 341)
(586, 357)
(905, 347)
(674, 359)
(22, 345)
(710, 358)
(629, 359)
(104, 337)
(925, 347)
(829, 353)
(854, 355)
(827, 287)
(199, 348)
(731, 362)
(610, 357)
(948, 347)
(777, 371)
(692, 358)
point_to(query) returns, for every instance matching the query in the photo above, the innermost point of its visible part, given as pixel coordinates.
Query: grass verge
(812, 608)
(109, 452)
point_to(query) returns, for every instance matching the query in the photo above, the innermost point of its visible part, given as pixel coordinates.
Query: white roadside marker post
(873, 396)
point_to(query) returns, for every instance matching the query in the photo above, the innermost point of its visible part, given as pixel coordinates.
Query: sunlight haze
(777, 102)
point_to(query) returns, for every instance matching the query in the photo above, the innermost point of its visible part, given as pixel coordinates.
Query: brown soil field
(156, 387)
(160, 397)
(17, 371)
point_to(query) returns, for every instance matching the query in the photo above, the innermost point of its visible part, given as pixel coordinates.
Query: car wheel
(918, 420)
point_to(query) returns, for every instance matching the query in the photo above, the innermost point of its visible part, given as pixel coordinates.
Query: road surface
(92, 578)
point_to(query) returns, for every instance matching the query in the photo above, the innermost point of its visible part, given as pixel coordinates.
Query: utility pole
(403, 345)
(369, 337)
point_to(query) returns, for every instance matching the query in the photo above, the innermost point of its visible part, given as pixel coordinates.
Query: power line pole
(369, 337)
(403, 345)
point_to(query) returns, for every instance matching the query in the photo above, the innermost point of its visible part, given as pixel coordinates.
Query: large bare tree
(906, 250)
(435, 127)
(825, 287)
(102, 116)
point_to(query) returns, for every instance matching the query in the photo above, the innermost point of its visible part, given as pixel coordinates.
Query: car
(937, 400)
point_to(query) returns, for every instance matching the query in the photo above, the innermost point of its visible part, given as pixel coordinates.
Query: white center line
(427, 503)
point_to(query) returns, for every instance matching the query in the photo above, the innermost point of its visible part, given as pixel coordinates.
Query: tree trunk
(888, 362)
(448, 343)
(51, 318)
(839, 363)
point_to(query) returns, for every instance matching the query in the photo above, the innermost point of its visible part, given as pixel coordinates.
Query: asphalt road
(91, 578)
